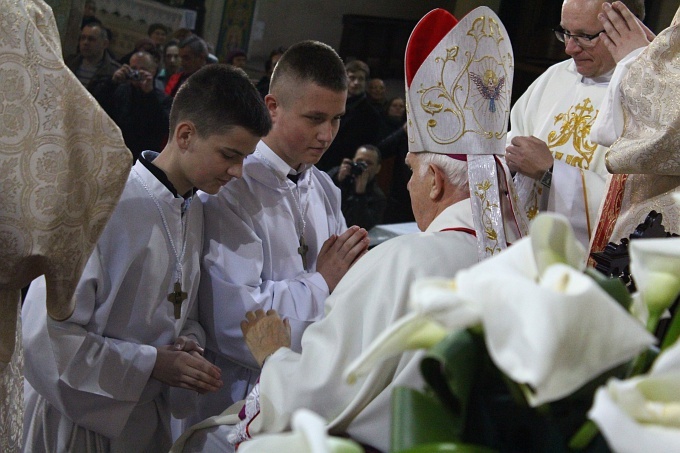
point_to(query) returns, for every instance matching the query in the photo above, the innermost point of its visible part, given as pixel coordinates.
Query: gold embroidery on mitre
(488, 206)
(409, 122)
(471, 94)
(574, 125)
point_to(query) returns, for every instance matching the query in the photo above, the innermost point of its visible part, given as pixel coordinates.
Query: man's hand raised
(624, 31)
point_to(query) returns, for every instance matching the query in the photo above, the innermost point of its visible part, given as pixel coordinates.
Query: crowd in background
(136, 90)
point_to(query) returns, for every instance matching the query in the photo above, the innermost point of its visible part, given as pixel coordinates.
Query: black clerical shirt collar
(146, 158)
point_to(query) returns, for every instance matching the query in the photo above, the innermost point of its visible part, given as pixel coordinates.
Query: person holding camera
(140, 109)
(363, 202)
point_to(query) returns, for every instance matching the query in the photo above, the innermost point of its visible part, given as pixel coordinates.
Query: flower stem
(584, 436)
(672, 333)
(653, 320)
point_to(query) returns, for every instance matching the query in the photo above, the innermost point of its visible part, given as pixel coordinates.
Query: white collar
(455, 216)
(601, 79)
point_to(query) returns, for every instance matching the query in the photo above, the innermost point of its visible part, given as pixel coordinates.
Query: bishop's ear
(437, 181)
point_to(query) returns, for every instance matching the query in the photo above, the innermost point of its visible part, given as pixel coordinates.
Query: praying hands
(339, 253)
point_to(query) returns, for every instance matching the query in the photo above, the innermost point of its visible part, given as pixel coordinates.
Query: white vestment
(371, 296)
(90, 375)
(560, 108)
(251, 261)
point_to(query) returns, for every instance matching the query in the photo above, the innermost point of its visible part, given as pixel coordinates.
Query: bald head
(143, 60)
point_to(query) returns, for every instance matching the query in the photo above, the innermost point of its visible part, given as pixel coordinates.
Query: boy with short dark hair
(98, 381)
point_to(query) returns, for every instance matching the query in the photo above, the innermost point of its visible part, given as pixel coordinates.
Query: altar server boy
(99, 379)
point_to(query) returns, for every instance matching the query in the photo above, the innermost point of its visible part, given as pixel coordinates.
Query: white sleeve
(232, 282)
(94, 380)
(608, 125)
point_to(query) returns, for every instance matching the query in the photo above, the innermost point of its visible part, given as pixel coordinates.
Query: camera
(357, 168)
(134, 75)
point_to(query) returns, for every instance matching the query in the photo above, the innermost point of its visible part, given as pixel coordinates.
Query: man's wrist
(546, 179)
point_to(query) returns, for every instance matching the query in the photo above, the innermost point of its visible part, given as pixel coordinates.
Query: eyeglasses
(582, 40)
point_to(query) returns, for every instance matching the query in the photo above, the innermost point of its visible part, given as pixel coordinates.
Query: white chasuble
(560, 108)
(372, 296)
(90, 375)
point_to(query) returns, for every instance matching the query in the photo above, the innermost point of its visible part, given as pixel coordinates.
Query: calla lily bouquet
(519, 344)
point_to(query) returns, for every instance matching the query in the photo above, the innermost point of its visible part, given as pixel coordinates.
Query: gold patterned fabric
(650, 93)
(63, 162)
(649, 147)
(458, 89)
(63, 165)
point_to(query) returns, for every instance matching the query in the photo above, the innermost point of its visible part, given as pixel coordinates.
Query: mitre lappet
(458, 86)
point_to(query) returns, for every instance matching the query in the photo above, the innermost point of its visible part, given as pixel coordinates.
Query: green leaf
(417, 419)
(613, 286)
(448, 447)
(450, 367)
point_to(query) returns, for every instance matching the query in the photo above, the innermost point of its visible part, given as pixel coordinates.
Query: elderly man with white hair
(448, 201)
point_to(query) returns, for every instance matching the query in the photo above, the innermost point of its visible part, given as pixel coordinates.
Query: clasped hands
(182, 365)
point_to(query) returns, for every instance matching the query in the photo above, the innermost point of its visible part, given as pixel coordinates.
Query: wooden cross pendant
(302, 250)
(177, 297)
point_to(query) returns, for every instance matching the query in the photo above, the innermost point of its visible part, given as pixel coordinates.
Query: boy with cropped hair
(277, 239)
(99, 380)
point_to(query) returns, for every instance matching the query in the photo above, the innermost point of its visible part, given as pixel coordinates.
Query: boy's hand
(184, 343)
(185, 370)
(339, 253)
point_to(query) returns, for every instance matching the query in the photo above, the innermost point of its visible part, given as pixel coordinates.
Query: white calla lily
(553, 241)
(642, 413)
(414, 331)
(655, 265)
(531, 300)
(638, 309)
(423, 328)
(537, 334)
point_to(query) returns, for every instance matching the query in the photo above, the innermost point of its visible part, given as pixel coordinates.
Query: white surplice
(371, 296)
(560, 108)
(90, 386)
(251, 261)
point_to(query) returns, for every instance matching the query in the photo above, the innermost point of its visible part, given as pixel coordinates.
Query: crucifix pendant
(177, 297)
(302, 250)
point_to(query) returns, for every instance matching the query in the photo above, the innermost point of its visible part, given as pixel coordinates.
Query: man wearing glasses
(557, 167)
